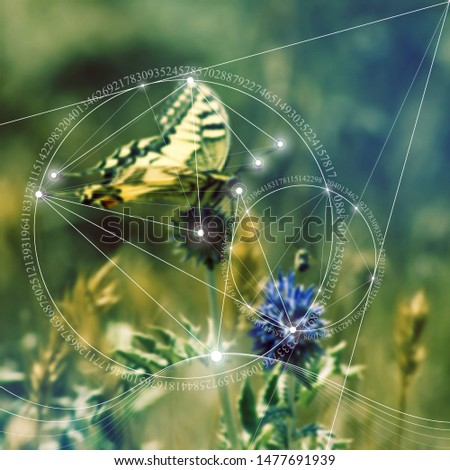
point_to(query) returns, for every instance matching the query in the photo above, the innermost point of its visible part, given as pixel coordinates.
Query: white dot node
(53, 175)
(356, 208)
(143, 85)
(258, 163)
(239, 191)
(292, 329)
(328, 189)
(39, 194)
(216, 356)
(373, 278)
(190, 81)
(280, 144)
(200, 232)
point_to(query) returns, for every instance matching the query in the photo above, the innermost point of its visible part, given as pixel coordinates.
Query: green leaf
(275, 415)
(190, 350)
(270, 394)
(247, 409)
(188, 325)
(146, 342)
(149, 362)
(163, 335)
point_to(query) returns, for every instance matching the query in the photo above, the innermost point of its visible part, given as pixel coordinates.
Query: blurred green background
(349, 88)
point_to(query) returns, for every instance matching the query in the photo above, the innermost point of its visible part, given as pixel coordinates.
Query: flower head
(290, 323)
(202, 236)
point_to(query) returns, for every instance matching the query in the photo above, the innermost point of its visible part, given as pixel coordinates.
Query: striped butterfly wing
(192, 148)
(195, 125)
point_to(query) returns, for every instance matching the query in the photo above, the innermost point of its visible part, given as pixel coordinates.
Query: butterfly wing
(194, 141)
(195, 129)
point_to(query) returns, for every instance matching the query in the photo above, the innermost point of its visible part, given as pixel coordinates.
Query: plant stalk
(291, 404)
(401, 410)
(223, 391)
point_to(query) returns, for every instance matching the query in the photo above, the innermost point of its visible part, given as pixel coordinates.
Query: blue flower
(288, 306)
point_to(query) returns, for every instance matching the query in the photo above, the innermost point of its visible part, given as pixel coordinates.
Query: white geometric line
(119, 214)
(196, 162)
(126, 274)
(150, 254)
(227, 276)
(227, 125)
(271, 274)
(267, 51)
(391, 211)
(119, 130)
(334, 33)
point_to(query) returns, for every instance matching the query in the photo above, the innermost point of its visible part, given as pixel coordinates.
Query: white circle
(328, 189)
(292, 329)
(239, 190)
(258, 163)
(200, 232)
(190, 81)
(356, 208)
(280, 144)
(39, 194)
(53, 175)
(216, 356)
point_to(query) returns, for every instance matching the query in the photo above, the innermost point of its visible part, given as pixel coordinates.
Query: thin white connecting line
(120, 214)
(397, 116)
(392, 209)
(226, 124)
(97, 131)
(64, 107)
(154, 115)
(334, 33)
(289, 245)
(46, 187)
(227, 275)
(247, 120)
(237, 137)
(267, 51)
(268, 267)
(271, 274)
(51, 204)
(348, 231)
(118, 130)
(322, 251)
(145, 251)
(196, 161)
(353, 395)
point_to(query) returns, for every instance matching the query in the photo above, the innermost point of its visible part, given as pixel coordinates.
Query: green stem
(291, 404)
(215, 315)
(223, 391)
(401, 410)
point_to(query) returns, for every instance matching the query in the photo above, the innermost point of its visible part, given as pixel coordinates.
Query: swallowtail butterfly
(186, 160)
